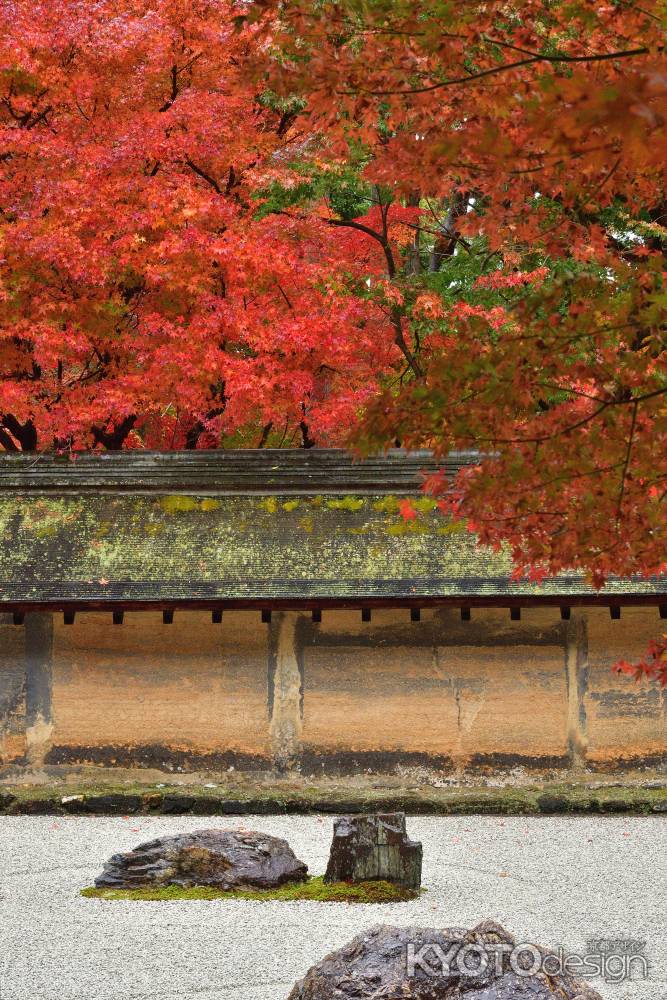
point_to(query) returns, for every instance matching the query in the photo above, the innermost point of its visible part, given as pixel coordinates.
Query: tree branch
(204, 176)
(378, 237)
(25, 434)
(113, 440)
(505, 67)
(7, 441)
(174, 89)
(395, 315)
(626, 464)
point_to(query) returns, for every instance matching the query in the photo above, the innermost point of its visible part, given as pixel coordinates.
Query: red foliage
(144, 302)
(534, 134)
(653, 666)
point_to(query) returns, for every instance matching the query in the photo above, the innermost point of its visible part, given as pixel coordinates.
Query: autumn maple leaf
(407, 511)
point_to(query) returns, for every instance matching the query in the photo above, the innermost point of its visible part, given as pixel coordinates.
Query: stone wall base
(65, 790)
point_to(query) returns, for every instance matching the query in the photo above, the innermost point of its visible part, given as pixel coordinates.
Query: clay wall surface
(332, 696)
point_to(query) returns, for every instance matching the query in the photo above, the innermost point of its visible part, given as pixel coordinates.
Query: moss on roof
(180, 546)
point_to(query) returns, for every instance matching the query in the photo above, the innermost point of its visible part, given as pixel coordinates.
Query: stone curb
(502, 802)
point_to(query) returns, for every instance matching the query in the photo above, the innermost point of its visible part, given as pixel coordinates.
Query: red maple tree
(532, 298)
(146, 299)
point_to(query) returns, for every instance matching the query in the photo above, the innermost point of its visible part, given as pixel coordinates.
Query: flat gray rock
(225, 859)
(422, 963)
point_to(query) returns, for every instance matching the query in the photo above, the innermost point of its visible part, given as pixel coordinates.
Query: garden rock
(226, 859)
(374, 847)
(422, 963)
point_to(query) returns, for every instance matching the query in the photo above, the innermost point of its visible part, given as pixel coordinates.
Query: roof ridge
(317, 470)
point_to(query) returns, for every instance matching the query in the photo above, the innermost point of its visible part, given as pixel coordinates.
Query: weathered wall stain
(616, 730)
(192, 687)
(286, 687)
(577, 673)
(612, 704)
(454, 701)
(38, 686)
(12, 692)
(157, 756)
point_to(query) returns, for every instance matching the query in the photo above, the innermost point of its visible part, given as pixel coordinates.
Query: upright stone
(374, 847)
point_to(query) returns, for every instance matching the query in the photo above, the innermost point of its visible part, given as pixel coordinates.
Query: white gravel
(559, 882)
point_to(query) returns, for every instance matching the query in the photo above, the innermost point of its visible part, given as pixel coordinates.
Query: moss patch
(347, 503)
(90, 790)
(177, 504)
(314, 890)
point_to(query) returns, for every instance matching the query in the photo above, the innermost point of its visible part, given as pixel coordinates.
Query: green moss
(291, 505)
(407, 528)
(48, 516)
(346, 503)
(46, 530)
(401, 528)
(452, 528)
(424, 505)
(177, 503)
(387, 505)
(247, 538)
(249, 795)
(314, 890)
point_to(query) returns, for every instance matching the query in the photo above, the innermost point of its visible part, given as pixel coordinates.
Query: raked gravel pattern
(555, 881)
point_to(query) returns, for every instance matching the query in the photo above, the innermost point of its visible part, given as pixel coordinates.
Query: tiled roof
(264, 471)
(248, 528)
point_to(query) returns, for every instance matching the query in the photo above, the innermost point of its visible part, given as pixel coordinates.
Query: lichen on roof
(172, 546)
